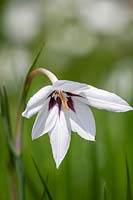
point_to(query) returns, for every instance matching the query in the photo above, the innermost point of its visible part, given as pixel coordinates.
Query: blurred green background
(85, 41)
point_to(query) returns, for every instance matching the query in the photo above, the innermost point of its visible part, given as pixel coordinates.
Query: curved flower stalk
(63, 107)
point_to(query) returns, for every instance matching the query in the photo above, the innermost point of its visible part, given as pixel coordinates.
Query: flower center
(64, 99)
(61, 99)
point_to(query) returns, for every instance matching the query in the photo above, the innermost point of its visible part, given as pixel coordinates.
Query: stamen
(63, 99)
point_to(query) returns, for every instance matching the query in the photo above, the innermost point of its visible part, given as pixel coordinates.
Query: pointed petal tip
(34, 136)
(131, 108)
(57, 166)
(25, 114)
(127, 108)
(58, 163)
(91, 139)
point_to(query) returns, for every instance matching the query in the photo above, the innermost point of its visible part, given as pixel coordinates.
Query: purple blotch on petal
(52, 103)
(73, 95)
(58, 101)
(50, 95)
(70, 104)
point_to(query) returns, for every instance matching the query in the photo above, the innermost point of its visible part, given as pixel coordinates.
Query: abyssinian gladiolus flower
(64, 107)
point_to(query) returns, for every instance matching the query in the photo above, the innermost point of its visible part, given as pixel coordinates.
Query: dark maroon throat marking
(62, 100)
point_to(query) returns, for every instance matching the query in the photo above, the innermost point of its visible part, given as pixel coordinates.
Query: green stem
(19, 131)
(16, 149)
(21, 179)
(19, 120)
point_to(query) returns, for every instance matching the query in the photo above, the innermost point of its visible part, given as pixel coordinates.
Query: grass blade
(104, 192)
(42, 180)
(15, 159)
(129, 194)
(21, 105)
(44, 192)
(21, 177)
(6, 120)
(5, 108)
(25, 89)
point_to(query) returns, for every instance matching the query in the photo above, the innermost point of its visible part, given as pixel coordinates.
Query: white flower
(63, 107)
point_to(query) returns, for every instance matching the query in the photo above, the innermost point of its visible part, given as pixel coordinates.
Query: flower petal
(104, 100)
(45, 121)
(36, 101)
(60, 139)
(69, 86)
(82, 121)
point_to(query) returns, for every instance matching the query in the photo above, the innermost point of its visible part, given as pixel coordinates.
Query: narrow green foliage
(21, 178)
(14, 156)
(5, 107)
(129, 194)
(42, 180)
(25, 87)
(34, 191)
(19, 120)
(19, 131)
(6, 120)
(35, 60)
(105, 192)
(44, 193)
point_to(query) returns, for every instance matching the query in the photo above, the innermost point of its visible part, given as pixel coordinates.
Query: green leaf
(21, 177)
(19, 120)
(129, 194)
(104, 192)
(25, 89)
(14, 157)
(5, 107)
(6, 120)
(44, 193)
(42, 180)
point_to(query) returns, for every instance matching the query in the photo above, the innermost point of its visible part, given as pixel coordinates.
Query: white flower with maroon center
(63, 107)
